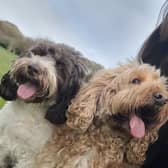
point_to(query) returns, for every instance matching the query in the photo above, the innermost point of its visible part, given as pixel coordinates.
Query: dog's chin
(137, 123)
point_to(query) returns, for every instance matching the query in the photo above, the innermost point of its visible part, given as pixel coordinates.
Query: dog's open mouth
(136, 124)
(139, 120)
(26, 90)
(145, 117)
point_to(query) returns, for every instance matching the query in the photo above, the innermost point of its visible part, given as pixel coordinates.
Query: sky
(106, 31)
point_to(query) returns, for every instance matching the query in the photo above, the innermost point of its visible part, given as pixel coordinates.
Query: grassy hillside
(12, 38)
(6, 58)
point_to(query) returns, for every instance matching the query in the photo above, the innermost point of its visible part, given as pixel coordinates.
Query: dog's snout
(32, 69)
(160, 98)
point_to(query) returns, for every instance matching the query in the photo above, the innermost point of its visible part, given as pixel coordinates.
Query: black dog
(155, 52)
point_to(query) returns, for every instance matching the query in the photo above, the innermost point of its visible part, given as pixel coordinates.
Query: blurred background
(106, 31)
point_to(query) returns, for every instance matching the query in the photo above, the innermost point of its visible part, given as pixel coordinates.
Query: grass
(6, 58)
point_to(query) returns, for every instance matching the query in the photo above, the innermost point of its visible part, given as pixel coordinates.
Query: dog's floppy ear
(155, 49)
(70, 73)
(56, 113)
(8, 87)
(81, 112)
(91, 102)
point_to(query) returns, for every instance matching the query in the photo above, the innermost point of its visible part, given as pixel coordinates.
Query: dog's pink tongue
(26, 91)
(137, 127)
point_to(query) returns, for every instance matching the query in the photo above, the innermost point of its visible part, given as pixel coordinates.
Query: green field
(6, 58)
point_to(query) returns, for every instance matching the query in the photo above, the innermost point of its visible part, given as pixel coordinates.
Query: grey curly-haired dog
(41, 81)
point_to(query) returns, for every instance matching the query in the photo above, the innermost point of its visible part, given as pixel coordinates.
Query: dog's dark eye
(136, 81)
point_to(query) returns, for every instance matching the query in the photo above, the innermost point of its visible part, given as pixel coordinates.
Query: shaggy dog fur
(99, 133)
(68, 68)
(43, 80)
(155, 52)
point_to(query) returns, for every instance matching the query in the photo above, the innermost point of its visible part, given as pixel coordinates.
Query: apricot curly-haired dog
(111, 121)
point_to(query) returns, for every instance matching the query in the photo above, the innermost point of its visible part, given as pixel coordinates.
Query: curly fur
(155, 52)
(92, 137)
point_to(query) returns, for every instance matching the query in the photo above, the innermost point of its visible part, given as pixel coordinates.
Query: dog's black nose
(160, 99)
(32, 69)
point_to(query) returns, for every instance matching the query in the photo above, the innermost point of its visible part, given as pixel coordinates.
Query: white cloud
(107, 31)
